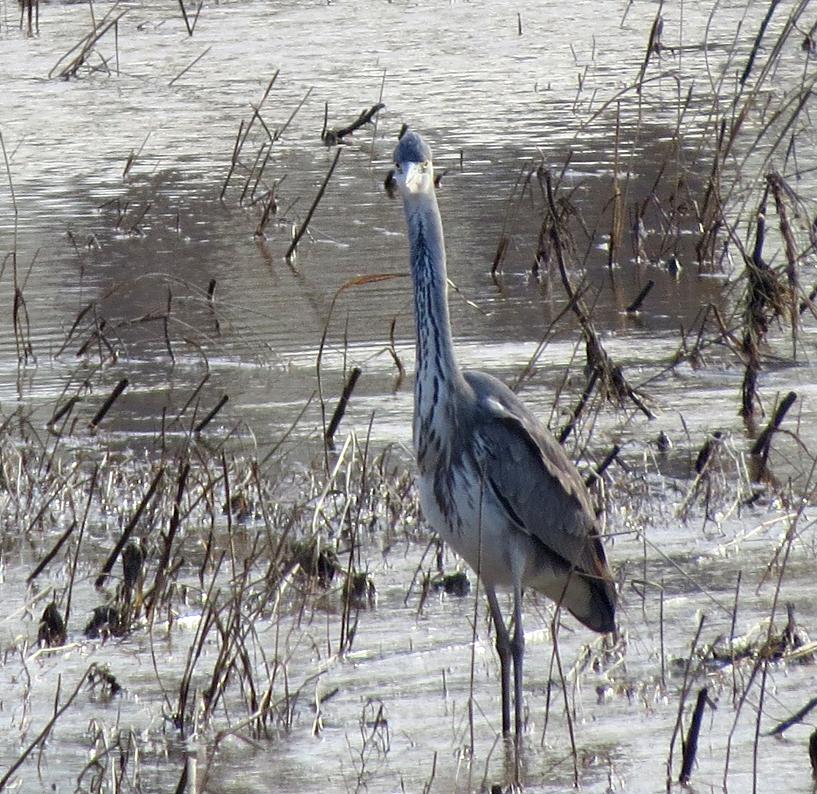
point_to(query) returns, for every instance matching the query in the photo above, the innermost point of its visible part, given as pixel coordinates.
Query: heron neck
(435, 349)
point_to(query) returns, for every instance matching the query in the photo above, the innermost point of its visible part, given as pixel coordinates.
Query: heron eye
(425, 166)
(398, 167)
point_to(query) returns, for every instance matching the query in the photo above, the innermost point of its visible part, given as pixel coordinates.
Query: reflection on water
(152, 277)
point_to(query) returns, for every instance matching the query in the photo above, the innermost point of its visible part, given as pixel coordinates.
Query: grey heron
(493, 482)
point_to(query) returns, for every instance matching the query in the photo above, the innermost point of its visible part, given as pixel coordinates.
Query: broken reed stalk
(63, 410)
(376, 118)
(504, 236)
(795, 718)
(635, 306)
(91, 306)
(270, 194)
(618, 214)
(51, 554)
(270, 208)
(245, 127)
(211, 415)
(193, 395)
(614, 383)
(758, 39)
(603, 466)
(134, 227)
(766, 299)
(265, 147)
(211, 303)
(8, 173)
(187, 24)
(128, 530)
(685, 686)
(653, 45)
(194, 61)
(106, 406)
(334, 137)
(305, 225)
(22, 327)
(565, 432)
(133, 156)
(207, 620)
(340, 410)
(762, 445)
(233, 159)
(86, 44)
(711, 214)
(164, 563)
(166, 326)
(556, 657)
(779, 189)
(690, 746)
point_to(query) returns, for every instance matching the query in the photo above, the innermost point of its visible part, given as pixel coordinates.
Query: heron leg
(518, 652)
(503, 648)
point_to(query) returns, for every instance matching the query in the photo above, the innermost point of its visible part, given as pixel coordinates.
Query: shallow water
(490, 101)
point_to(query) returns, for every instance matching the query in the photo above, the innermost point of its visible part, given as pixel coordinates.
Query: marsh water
(113, 198)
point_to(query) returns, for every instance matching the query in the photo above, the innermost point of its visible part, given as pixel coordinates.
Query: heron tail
(595, 605)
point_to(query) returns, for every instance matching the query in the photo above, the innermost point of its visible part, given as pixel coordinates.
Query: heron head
(413, 170)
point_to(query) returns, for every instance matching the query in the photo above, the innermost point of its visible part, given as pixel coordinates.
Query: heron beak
(413, 176)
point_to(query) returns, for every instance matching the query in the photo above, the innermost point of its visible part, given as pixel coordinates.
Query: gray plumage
(493, 482)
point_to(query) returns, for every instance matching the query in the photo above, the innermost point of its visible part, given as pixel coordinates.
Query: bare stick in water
(210, 416)
(690, 748)
(340, 410)
(334, 137)
(635, 306)
(303, 227)
(106, 406)
(761, 446)
(128, 530)
(190, 65)
(8, 174)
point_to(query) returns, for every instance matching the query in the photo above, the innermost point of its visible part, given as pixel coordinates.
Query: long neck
(435, 350)
(437, 372)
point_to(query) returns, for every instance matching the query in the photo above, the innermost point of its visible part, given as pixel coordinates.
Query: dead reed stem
(305, 225)
(758, 39)
(106, 406)
(190, 26)
(195, 60)
(129, 528)
(335, 137)
(635, 306)
(8, 173)
(690, 746)
(340, 410)
(610, 374)
(211, 414)
(685, 688)
(87, 44)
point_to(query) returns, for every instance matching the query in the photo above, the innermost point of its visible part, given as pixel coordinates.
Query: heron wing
(532, 477)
